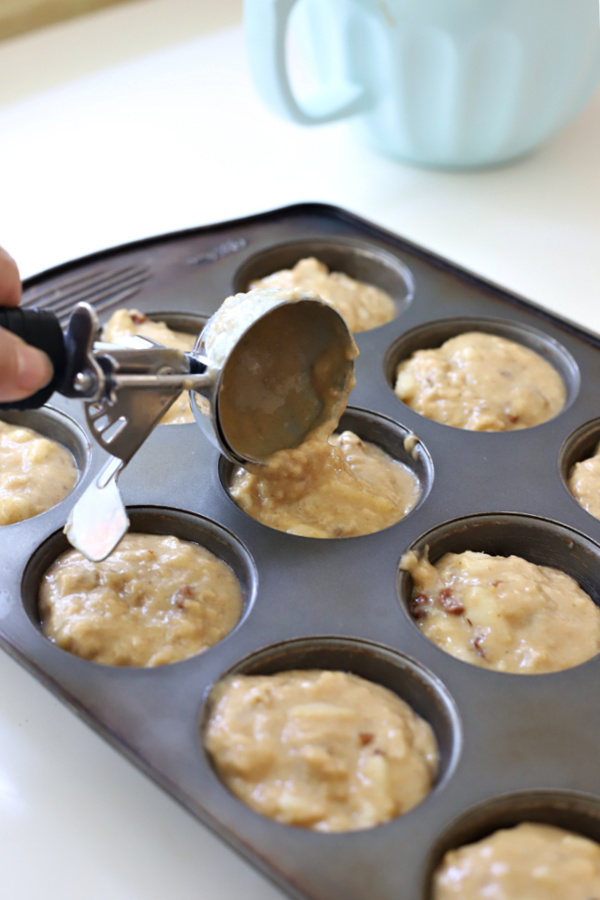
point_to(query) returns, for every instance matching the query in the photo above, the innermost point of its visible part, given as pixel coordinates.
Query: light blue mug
(442, 83)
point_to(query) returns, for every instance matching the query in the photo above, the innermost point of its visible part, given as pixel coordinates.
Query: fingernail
(35, 369)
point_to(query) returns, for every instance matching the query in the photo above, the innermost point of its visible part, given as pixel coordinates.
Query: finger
(10, 281)
(23, 369)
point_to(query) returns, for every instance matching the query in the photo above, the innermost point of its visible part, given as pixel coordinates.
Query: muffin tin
(511, 747)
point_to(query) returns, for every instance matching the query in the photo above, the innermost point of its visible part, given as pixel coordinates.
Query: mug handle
(265, 26)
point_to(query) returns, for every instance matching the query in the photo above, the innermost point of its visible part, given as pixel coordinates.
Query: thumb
(23, 369)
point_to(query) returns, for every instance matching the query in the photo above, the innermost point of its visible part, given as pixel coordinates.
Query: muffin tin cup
(398, 442)
(434, 334)
(506, 741)
(57, 426)
(159, 521)
(62, 428)
(540, 541)
(424, 693)
(357, 259)
(575, 812)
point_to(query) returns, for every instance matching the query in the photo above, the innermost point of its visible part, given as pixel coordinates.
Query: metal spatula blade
(98, 520)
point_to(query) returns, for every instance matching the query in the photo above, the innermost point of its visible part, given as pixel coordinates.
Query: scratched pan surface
(511, 747)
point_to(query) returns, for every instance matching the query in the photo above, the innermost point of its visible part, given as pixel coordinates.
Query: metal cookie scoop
(276, 367)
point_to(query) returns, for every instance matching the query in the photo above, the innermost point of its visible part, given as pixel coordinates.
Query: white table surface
(139, 120)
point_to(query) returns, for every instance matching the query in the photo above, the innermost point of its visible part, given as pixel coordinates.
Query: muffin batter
(527, 862)
(363, 306)
(584, 483)
(481, 382)
(323, 750)
(35, 473)
(155, 600)
(123, 323)
(503, 613)
(340, 488)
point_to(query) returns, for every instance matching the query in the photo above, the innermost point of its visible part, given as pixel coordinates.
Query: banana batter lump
(155, 600)
(527, 862)
(323, 750)
(503, 613)
(327, 489)
(36, 473)
(584, 483)
(481, 382)
(363, 306)
(124, 323)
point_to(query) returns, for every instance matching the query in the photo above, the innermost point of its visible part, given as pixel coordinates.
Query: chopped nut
(417, 606)
(449, 603)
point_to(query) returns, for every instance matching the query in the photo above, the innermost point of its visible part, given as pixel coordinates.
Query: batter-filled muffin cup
(41, 456)
(330, 734)
(344, 487)
(363, 306)
(530, 861)
(499, 610)
(158, 598)
(177, 331)
(537, 845)
(366, 285)
(580, 466)
(482, 376)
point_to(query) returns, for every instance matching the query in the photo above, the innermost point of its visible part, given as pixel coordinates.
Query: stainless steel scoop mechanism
(253, 412)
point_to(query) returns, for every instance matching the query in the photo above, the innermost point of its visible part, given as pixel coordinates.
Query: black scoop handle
(40, 328)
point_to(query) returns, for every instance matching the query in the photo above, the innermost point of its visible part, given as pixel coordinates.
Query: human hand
(23, 369)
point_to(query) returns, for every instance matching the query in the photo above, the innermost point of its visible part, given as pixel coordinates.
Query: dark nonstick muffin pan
(511, 747)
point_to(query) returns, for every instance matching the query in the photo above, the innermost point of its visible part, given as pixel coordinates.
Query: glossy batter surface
(155, 600)
(584, 483)
(363, 306)
(481, 382)
(527, 862)
(338, 488)
(323, 750)
(36, 473)
(125, 322)
(503, 613)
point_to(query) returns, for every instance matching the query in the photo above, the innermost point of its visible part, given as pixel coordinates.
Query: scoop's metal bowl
(281, 365)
